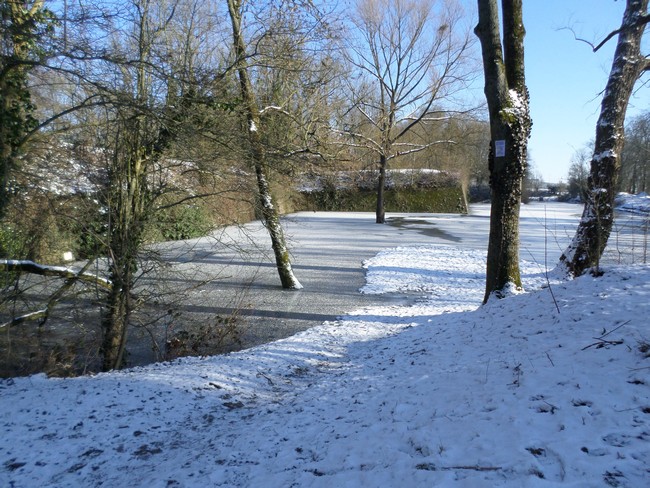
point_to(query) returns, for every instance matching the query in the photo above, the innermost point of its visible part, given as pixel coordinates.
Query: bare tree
(510, 124)
(578, 174)
(635, 160)
(258, 152)
(297, 83)
(153, 79)
(629, 64)
(138, 139)
(410, 59)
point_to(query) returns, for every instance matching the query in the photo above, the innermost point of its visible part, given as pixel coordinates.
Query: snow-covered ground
(639, 203)
(546, 388)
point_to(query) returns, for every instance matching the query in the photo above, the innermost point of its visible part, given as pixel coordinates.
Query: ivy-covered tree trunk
(7, 148)
(595, 226)
(258, 155)
(23, 24)
(507, 97)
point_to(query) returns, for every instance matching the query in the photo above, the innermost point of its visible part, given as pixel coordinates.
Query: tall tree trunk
(510, 123)
(381, 187)
(595, 226)
(128, 202)
(115, 321)
(258, 154)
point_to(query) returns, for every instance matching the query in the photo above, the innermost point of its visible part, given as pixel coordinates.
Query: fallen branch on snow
(433, 467)
(71, 277)
(25, 266)
(602, 342)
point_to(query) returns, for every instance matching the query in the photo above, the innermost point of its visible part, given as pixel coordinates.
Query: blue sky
(565, 78)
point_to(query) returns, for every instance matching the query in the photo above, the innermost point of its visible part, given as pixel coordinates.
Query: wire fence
(629, 240)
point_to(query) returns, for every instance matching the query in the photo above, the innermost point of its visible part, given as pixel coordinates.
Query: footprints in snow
(551, 466)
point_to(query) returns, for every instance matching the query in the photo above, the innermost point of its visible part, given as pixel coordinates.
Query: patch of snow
(267, 202)
(517, 102)
(604, 155)
(638, 204)
(443, 392)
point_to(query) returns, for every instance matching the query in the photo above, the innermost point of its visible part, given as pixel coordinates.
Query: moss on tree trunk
(507, 97)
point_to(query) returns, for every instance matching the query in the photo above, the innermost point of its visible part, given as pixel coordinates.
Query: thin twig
(549, 358)
(613, 330)
(603, 343)
(433, 467)
(260, 374)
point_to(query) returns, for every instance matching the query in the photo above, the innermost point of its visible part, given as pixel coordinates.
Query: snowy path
(512, 394)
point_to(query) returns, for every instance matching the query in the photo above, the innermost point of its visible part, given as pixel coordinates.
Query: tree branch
(193, 197)
(85, 104)
(642, 20)
(39, 314)
(645, 65)
(25, 266)
(417, 148)
(275, 108)
(71, 279)
(371, 144)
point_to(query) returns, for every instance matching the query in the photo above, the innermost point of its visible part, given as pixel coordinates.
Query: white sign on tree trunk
(499, 148)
